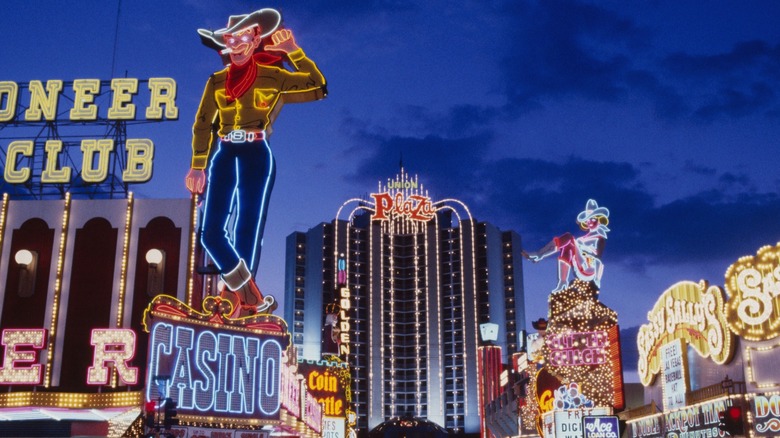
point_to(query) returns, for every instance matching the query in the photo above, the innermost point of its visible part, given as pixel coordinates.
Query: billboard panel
(213, 367)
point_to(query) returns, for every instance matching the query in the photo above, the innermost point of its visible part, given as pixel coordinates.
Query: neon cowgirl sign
(214, 368)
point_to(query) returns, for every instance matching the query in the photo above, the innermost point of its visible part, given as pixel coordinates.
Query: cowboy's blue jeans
(241, 176)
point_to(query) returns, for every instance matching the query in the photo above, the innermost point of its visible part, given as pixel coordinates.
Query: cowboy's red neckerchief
(241, 78)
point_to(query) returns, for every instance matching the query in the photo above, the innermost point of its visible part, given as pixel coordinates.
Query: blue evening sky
(666, 112)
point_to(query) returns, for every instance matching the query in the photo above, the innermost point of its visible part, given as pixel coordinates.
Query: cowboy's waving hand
(283, 41)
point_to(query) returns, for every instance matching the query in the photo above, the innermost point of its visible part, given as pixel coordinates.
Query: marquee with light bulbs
(737, 332)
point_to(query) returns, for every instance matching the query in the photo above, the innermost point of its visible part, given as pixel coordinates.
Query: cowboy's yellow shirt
(258, 107)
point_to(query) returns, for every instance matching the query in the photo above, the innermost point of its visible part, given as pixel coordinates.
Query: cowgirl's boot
(563, 275)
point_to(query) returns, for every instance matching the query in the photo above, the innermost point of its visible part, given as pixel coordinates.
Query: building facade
(414, 279)
(75, 271)
(708, 355)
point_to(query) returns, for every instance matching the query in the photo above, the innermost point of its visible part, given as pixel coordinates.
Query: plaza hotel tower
(415, 278)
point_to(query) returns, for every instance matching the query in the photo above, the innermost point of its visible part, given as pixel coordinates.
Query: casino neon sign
(213, 366)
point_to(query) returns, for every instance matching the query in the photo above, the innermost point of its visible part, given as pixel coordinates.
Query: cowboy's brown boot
(250, 294)
(230, 296)
(240, 280)
(251, 299)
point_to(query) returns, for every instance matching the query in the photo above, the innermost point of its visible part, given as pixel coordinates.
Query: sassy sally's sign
(692, 312)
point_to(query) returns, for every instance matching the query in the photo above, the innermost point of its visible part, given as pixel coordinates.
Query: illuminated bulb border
(764, 263)
(3, 215)
(71, 400)
(123, 273)
(475, 329)
(418, 369)
(192, 243)
(125, 250)
(438, 318)
(751, 377)
(57, 290)
(403, 225)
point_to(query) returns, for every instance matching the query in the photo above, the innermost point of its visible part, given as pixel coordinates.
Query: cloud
(566, 48)
(562, 50)
(571, 49)
(448, 164)
(736, 83)
(540, 199)
(696, 168)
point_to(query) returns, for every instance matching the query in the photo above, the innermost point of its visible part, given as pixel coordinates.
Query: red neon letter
(384, 203)
(116, 346)
(10, 374)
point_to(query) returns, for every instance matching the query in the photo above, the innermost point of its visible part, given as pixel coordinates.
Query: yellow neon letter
(51, 174)
(122, 107)
(121, 351)
(140, 152)
(16, 148)
(9, 91)
(13, 339)
(42, 103)
(158, 98)
(89, 173)
(83, 100)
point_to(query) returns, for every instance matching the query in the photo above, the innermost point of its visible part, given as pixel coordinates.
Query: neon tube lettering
(216, 373)
(9, 92)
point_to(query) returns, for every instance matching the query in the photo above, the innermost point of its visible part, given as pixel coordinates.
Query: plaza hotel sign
(403, 198)
(41, 104)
